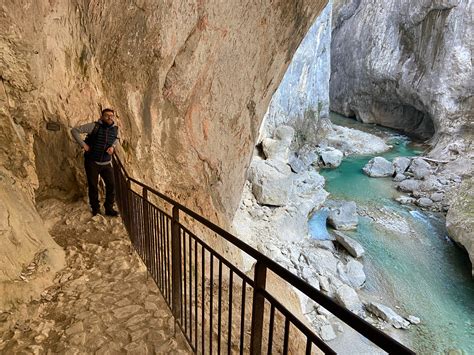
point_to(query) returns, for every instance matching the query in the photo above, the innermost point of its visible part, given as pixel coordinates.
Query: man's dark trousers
(93, 171)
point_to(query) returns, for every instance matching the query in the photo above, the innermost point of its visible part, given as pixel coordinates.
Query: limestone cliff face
(303, 95)
(194, 81)
(406, 65)
(460, 218)
(190, 80)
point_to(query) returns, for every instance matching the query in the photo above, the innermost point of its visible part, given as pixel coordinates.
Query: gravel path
(101, 303)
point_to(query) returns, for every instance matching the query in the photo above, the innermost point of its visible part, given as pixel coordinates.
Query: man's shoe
(111, 213)
(95, 212)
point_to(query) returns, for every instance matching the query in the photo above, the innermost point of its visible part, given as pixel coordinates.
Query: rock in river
(409, 185)
(420, 168)
(424, 202)
(353, 247)
(378, 167)
(399, 177)
(330, 157)
(459, 219)
(414, 320)
(388, 315)
(342, 214)
(401, 164)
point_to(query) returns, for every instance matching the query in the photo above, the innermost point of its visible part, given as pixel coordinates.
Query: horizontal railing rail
(216, 304)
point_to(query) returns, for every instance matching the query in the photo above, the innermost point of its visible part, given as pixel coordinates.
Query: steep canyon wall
(405, 65)
(190, 80)
(302, 98)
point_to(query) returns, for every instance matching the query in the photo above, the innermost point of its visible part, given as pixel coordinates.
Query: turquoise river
(422, 273)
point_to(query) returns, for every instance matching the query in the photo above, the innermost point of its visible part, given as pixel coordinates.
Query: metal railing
(218, 306)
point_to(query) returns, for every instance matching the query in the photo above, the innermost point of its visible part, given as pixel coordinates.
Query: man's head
(108, 116)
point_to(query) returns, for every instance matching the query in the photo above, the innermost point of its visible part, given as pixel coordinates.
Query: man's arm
(116, 141)
(83, 129)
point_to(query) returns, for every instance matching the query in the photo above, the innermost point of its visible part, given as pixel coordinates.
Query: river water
(410, 262)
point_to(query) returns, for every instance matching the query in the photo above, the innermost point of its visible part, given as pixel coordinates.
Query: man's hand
(86, 148)
(110, 151)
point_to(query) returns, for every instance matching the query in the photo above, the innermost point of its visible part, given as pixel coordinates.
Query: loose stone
(388, 315)
(414, 320)
(424, 202)
(409, 185)
(400, 165)
(127, 311)
(342, 214)
(353, 247)
(378, 167)
(347, 297)
(75, 328)
(327, 332)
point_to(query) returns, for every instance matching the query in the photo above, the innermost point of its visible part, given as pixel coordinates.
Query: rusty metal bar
(219, 309)
(258, 308)
(286, 336)
(195, 293)
(229, 320)
(298, 324)
(147, 227)
(168, 252)
(184, 287)
(270, 329)
(176, 264)
(242, 317)
(203, 297)
(308, 347)
(190, 290)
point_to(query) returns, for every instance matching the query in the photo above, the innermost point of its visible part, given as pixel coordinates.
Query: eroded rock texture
(460, 218)
(406, 65)
(190, 80)
(302, 98)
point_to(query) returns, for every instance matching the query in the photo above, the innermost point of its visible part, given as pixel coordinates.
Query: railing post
(258, 308)
(146, 221)
(176, 264)
(127, 211)
(130, 215)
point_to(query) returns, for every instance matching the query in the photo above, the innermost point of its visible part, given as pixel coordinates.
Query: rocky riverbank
(433, 185)
(419, 178)
(283, 189)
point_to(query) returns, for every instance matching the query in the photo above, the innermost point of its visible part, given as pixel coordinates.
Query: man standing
(99, 145)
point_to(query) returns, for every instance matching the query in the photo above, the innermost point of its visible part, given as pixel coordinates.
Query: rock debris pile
(424, 180)
(283, 189)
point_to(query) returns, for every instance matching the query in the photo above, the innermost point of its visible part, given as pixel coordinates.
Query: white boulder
(378, 167)
(388, 315)
(352, 246)
(342, 215)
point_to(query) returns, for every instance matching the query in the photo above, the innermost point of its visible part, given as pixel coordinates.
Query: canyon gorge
(230, 108)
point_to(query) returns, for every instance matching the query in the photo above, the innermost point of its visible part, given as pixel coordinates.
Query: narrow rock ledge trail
(101, 303)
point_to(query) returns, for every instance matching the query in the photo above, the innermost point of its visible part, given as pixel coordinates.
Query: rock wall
(460, 218)
(405, 65)
(29, 258)
(194, 79)
(303, 95)
(188, 81)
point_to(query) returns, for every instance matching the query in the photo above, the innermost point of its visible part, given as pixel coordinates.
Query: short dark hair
(107, 110)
